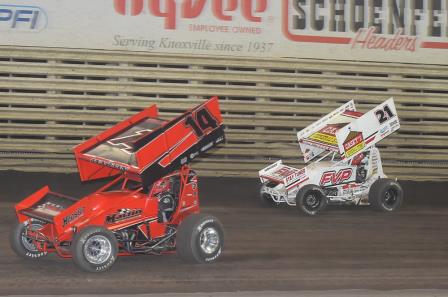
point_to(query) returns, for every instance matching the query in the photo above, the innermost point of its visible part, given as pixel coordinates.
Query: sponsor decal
(288, 173)
(22, 18)
(126, 143)
(368, 39)
(122, 215)
(384, 131)
(332, 177)
(173, 12)
(49, 208)
(394, 25)
(394, 125)
(72, 217)
(207, 146)
(325, 138)
(219, 139)
(353, 143)
(330, 129)
(109, 164)
(50, 205)
(349, 188)
(327, 134)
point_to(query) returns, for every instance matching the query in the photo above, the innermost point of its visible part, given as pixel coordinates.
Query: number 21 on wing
(384, 114)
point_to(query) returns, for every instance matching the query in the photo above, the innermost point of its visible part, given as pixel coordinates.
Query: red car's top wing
(151, 147)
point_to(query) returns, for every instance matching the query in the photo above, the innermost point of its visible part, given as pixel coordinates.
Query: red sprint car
(151, 207)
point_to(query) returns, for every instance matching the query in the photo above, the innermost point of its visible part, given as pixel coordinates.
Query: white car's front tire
(311, 200)
(386, 195)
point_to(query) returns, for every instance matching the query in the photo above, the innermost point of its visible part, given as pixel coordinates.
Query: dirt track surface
(265, 249)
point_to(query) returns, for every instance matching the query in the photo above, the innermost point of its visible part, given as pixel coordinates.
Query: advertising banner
(409, 31)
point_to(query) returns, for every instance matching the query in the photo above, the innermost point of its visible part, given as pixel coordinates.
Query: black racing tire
(311, 200)
(94, 249)
(266, 199)
(200, 239)
(386, 195)
(23, 246)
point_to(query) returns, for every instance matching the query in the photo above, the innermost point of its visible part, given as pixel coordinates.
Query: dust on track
(265, 249)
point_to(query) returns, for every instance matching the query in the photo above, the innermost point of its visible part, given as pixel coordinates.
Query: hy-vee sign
(363, 30)
(191, 9)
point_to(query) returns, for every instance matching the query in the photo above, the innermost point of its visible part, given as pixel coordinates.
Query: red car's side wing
(149, 146)
(95, 167)
(180, 141)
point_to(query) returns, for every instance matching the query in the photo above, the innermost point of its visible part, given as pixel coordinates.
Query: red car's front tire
(94, 249)
(200, 239)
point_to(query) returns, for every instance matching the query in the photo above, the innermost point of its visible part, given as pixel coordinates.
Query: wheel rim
(28, 243)
(209, 240)
(311, 201)
(390, 198)
(97, 249)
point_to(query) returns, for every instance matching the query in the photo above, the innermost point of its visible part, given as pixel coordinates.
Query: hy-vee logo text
(223, 10)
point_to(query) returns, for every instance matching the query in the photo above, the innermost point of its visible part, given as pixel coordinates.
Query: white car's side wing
(367, 130)
(320, 123)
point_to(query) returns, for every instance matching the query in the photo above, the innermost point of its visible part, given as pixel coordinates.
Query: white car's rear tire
(266, 199)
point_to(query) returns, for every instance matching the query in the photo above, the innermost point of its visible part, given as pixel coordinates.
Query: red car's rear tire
(21, 244)
(200, 239)
(94, 249)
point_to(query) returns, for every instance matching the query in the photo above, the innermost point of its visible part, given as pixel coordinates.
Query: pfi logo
(223, 10)
(22, 18)
(330, 178)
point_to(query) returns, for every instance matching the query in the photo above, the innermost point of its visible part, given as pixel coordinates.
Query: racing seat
(167, 205)
(360, 161)
(168, 200)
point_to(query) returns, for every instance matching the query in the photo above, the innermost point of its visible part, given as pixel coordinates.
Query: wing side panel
(94, 168)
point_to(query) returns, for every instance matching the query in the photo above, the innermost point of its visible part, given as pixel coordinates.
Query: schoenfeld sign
(413, 31)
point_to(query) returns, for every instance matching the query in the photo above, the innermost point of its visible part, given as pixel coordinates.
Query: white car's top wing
(347, 131)
(321, 135)
(366, 131)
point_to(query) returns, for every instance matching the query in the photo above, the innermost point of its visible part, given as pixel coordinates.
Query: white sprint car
(347, 167)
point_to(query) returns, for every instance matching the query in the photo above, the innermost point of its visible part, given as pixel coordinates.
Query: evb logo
(330, 178)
